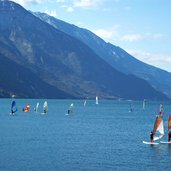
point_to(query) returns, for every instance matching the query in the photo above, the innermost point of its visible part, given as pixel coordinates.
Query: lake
(103, 137)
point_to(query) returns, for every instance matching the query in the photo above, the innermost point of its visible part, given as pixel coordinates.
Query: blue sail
(13, 107)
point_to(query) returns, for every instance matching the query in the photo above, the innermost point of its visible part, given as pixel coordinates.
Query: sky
(141, 27)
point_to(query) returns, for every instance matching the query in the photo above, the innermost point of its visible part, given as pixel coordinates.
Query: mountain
(38, 60)
(18, 80)
(115, 56)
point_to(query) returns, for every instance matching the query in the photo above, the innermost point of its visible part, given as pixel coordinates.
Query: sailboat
(85, 103)
(130, 108)
(27, 108)
(143, 106)
(70, 109)
(45, 108)
(13, 108)
(158, 130)
(97, 100)
(36, 108)
(169, 127)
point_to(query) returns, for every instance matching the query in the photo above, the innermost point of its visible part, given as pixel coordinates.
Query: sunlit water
(101, 137)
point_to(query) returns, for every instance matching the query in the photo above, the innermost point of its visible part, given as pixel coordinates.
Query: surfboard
(165, 142)
(152, 143)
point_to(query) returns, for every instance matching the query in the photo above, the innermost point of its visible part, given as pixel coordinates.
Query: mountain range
(39, 60)
(113, 55)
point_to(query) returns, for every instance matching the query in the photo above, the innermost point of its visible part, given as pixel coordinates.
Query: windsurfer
(169, 136)
(151, 136)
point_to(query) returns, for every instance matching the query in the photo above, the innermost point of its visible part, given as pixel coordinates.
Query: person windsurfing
(13, 108)
(151, 136)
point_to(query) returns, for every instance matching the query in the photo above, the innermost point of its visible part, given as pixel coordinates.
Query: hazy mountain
(115, 56)
(41, 61)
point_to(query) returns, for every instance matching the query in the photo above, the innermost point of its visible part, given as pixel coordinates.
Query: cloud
(132, 37)
(60, 1)
(69, 9)
(84, 4)
(51, 13)
(159, 60)
(25, 2)
(107, 34)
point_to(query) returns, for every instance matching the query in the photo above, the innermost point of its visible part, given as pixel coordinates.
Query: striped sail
(158, 128)
(169, 123)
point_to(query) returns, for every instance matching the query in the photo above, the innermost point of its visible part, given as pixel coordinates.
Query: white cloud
(85, 3)
(159, 60)
(51, 13)
(25, 2)
(132, 37)
(71, 5)
(107, 34)
(69, 9)
(60, 1)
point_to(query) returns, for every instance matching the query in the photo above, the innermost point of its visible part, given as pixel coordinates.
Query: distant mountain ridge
(43, 61)
(115, 56)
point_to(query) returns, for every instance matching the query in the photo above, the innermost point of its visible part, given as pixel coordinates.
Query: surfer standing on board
(169, 136)
(151, 136)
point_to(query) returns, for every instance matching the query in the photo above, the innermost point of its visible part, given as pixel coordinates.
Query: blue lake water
(103, 137)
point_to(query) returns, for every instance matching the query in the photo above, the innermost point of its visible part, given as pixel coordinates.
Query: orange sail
(26, 109)
(158, 128)
(169, 122)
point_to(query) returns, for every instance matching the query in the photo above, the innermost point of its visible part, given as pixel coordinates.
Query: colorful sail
(158, 128)
(45, 107)
(27, 108)
(13, 107)
(169, 123)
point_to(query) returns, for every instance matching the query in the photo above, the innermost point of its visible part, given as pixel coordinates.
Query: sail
(169, 122)
(161, 112)
(45, 107)
(13, 107)
(27, 108)
(85, 103)
(143, 107)
(158, 128)
(36, 108)
(97, 102)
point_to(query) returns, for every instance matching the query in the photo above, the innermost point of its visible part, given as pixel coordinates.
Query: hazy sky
(141, 27)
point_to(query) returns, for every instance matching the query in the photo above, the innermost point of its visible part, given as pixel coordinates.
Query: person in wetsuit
(169, 136)
(151, 136)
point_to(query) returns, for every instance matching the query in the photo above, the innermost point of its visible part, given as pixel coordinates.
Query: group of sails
(27, 108)
(158, 130)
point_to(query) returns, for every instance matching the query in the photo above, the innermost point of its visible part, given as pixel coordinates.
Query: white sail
(36, 108)
(97, 101)
(45, 107)
(85, 103)
(143, 107)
